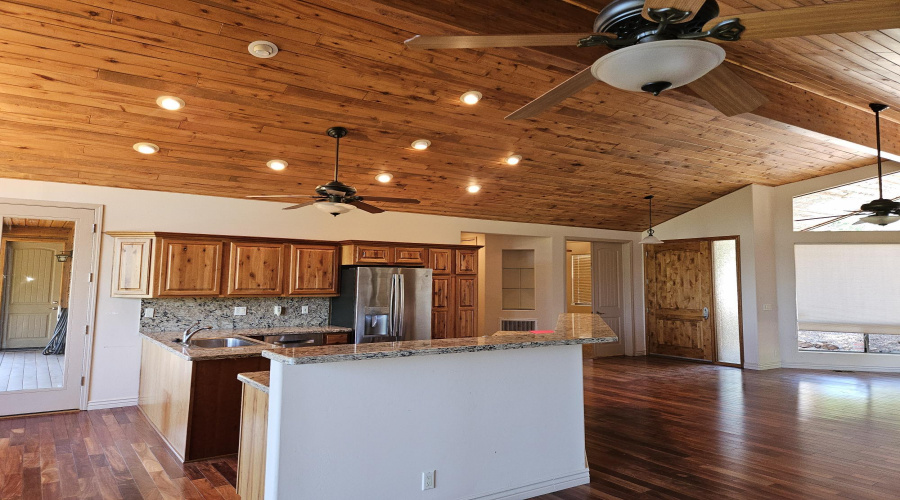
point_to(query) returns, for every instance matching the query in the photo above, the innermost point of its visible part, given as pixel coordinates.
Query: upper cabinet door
(440, 260)
(410, 256)
(371, 254)
(467, 261)
(190, 267)
(314, 270)
(131, 271)
(256, 269)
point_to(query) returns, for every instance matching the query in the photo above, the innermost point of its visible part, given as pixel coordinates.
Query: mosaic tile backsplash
(176, 314)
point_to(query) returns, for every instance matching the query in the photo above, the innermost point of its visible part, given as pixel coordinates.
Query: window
(847, 297)
(833, 209)
(518, 280)
(581, 280)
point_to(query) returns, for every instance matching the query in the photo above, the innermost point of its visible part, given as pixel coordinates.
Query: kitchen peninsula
(499, 416)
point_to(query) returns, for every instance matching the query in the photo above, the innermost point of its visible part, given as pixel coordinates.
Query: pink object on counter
(542, 331)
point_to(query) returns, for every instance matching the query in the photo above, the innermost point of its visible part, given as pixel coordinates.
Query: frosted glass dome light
(333, 208)
(650, 66)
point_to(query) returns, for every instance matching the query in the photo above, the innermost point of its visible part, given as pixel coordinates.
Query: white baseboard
(763, 366)
(639, 353)
(101, 404)
(851, 368)
(540, 487)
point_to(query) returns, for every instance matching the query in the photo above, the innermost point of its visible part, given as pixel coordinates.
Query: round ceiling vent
(263, 49)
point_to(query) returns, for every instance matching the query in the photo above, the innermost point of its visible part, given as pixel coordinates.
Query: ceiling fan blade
(420, 42)
(300, 205)
(691, 6)
(280, 196)
(388, 200)
(365, 207)
(727, 92)
(582, 80)
(843, 17)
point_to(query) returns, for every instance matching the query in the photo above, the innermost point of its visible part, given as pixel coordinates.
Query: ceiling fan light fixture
(660, 65)
(384, 177)
(881, 220)
(169, 102)
(333, 208)
(421, 144)
(473, 188)
(277, 164)
(146, 148)
(471, 97)
(513, 159)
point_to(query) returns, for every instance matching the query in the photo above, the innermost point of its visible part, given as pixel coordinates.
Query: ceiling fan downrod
(337, 133)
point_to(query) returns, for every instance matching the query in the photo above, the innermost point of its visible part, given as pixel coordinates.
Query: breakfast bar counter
(500, 416)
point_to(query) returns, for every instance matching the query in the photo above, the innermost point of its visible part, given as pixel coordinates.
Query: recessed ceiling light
(169, 102)
(384, 177)
(514, 159)
(474, 188)
(147, 148)
(263, 49)
(421, 144)
(277, 164)
(471, 97)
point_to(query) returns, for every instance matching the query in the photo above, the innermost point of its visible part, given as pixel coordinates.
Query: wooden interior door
(679, 299)
(33, 279)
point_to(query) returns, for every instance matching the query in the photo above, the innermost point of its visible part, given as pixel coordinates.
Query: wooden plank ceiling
(78, 81)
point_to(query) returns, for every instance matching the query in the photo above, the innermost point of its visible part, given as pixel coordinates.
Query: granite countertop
(167, 341)
(259, 380)
(571, 329)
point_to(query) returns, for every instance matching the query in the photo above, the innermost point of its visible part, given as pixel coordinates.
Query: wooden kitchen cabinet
(409, 256)
(440, 260)
(132, 272)
(255, 269)
(189, 267)
(314, 270)
(368, 254)
(441, 307)
(251, 462)
(466, 305)
(466, 261)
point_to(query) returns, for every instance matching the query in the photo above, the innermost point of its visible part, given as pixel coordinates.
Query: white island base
(493, 424)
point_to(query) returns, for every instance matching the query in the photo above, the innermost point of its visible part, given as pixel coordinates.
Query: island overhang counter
(500, 416)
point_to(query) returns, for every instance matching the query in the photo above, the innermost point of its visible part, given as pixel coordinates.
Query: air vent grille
(518, 325)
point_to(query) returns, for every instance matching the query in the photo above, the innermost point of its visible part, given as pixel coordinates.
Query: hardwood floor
(23, 370)
(656, 428)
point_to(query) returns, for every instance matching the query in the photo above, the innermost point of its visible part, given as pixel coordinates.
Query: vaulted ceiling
(78, 83)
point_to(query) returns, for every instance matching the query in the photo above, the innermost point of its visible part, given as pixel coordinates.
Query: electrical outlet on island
(428, 480)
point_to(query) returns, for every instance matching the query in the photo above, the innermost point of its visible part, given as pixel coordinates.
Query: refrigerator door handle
(401, 335)
(392, 308)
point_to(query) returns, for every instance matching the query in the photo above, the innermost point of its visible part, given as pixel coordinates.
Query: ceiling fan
(881, 211)
(335, 197)
(656, 45)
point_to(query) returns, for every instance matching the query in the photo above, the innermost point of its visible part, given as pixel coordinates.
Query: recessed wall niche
(518, 280)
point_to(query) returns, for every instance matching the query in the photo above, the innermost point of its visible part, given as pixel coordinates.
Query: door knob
(705, 313)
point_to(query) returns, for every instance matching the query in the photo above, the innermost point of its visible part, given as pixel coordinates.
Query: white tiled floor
(21, 370)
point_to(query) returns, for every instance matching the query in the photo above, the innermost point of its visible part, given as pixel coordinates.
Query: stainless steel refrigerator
(384, 304)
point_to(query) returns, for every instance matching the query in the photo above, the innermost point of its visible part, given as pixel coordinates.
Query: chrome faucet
(192, 330)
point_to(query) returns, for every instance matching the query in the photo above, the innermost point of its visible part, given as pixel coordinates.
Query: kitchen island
(499, 416)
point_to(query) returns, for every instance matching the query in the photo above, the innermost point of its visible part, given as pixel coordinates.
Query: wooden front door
(33, 286)
(679, 299)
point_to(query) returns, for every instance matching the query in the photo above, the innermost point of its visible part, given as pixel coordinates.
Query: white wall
(546, 307)
(785, 239)
(494, 424)
(739, 214)
(116, 356)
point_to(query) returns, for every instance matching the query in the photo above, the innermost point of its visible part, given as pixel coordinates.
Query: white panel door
(608, 300)
(33, 286)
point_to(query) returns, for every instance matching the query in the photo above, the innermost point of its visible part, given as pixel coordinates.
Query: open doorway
(34, 299)
(598, 282)
(46, 305)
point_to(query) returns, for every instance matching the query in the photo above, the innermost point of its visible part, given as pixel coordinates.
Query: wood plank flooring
(656, 428)
(30, 369)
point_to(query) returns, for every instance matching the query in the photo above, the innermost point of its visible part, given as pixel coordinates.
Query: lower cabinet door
(440, 324)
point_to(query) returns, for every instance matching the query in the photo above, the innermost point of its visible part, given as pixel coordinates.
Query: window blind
(581, 280)
(848, 288)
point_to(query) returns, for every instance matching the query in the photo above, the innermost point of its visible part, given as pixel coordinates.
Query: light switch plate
(148, 312)
(240, 311)
(304, 309)
(277, 310)
(767, 307)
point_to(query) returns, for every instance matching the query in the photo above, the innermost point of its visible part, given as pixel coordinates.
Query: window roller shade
(848, 288)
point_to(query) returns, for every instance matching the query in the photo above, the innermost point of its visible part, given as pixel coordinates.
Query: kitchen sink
(221, 342)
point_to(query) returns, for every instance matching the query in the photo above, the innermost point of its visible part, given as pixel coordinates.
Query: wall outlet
(277, 310)
(428, 480)
(304, 309)
(240, 311)
(767, 307)
(148, 312)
